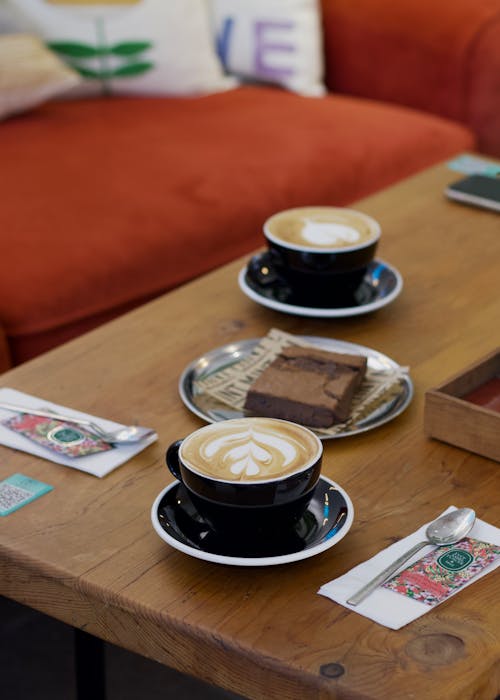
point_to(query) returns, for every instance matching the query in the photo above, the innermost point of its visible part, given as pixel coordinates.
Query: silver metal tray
(211, 410)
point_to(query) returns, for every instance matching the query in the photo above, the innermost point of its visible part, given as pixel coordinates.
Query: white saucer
(383, 281)
(327, 520)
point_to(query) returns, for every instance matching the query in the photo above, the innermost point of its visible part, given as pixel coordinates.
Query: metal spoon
(125, 435)
(448, 529)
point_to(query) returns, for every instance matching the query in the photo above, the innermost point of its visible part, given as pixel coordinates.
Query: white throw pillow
(30, 74)
(273, 41)
(145, 47)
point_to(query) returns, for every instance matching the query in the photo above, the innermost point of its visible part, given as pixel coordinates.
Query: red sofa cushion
(441, 57)
(108, 202)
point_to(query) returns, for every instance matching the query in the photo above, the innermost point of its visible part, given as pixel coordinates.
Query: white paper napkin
(98, 464)
(388, 607)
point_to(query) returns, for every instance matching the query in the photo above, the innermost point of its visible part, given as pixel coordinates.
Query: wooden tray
(450, 417)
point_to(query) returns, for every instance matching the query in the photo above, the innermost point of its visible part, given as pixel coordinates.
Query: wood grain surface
(87, 554)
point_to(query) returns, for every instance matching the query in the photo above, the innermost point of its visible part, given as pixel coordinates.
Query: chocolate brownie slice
(307, 386)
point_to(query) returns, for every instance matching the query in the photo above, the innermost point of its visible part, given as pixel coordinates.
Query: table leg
(90, 670)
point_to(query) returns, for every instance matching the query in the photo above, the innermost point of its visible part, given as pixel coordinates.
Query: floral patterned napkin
(437, 575)
(60, 436)
(98, 459)
(396, 603)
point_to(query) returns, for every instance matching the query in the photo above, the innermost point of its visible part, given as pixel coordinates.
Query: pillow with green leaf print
(141, 47)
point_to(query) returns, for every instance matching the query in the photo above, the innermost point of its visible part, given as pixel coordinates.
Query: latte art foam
(329, 233)
(250, 449)
(322, 228)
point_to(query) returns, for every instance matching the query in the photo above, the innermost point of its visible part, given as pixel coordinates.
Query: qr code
(11, 496)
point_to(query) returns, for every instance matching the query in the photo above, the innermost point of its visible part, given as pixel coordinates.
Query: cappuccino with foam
(250, 449)
(249, 478)
(322, 228)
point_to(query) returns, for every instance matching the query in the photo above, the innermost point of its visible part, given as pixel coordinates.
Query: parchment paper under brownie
(307, 386)
(229, 385)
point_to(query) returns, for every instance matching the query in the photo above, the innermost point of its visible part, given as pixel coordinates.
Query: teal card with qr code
(18, 490)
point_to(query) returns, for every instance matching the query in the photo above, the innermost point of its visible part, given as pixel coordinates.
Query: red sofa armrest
(5, 359)
(440, 56)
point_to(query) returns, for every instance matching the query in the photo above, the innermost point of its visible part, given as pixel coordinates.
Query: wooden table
(87, 554)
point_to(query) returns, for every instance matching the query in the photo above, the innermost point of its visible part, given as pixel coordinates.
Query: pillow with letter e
(130, 47)
(272, 41)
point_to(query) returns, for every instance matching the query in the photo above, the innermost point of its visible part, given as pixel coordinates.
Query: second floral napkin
(432, 576)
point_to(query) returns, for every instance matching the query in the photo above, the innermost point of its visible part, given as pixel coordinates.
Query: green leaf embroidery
(75, 49)
(89, 73)
(122, 72)
(130, 48)
(78, 52)
(132, 69)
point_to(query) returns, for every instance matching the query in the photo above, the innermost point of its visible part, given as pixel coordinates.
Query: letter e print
(274, 47)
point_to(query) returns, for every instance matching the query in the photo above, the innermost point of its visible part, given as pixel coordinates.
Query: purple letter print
(264, 48)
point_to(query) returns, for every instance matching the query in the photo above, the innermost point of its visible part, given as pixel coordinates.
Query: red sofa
(107, 203)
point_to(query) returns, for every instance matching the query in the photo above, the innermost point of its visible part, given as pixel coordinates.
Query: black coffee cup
(243, 505)
(321, 253)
